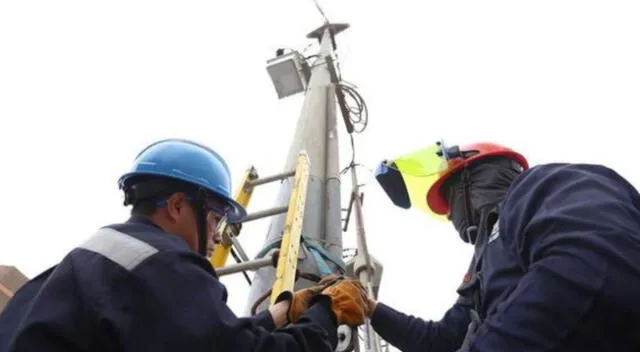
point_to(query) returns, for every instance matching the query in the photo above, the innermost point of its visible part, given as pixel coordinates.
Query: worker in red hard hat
(556, 263)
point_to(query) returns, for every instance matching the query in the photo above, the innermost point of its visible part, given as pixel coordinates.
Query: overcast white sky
(84, 85)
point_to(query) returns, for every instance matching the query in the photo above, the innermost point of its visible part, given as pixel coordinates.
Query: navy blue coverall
(133, 287)
(561, 271)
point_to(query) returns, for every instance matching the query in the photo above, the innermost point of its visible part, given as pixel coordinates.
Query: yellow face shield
(407, 178)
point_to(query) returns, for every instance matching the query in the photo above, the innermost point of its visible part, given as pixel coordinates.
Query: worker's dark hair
(145, 208)
(146, 194)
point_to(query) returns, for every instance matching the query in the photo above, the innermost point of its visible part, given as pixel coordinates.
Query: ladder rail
(290, 245)
(243, 196)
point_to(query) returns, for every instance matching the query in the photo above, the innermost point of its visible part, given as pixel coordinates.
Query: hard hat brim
(236, 211)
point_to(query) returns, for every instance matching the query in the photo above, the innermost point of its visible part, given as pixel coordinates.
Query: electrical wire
(358, 117)
(358, 113)
(238, 260)
(338, 67)
(299, 275)
(349, 253)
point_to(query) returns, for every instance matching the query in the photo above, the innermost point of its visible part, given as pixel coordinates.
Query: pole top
(334, 28)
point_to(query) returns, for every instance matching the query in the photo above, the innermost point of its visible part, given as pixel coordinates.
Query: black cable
(358, 113)
(238, 260)
(358, 117)
(338, 67)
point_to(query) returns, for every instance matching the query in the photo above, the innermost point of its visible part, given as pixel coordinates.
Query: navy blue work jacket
(134, 287)
(561, 271)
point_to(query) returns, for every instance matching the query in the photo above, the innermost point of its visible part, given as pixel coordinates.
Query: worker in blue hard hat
(556, 265)
(146, 284)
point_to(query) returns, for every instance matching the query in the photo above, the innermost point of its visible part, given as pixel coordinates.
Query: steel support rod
(365, 276)
(262, 181)
(264, 213)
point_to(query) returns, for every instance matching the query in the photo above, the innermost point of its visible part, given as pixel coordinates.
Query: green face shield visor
(407, 178)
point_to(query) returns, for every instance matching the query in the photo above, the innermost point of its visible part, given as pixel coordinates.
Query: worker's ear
(176, 205)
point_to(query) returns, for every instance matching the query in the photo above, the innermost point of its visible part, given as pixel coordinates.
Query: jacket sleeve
(42, 315)
(265, 320)
(173, 303)
(576, 230)
(409, 333)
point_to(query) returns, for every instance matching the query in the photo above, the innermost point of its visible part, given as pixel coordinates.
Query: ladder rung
(261, 181)
(264, 213)
(244, 266)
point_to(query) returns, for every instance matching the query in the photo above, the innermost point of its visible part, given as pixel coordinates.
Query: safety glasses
(218, 212)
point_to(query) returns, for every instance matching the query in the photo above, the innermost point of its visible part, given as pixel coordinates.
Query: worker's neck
(162, 222)
(173, 228)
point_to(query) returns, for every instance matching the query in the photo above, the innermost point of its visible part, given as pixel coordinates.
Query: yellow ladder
(287, 262)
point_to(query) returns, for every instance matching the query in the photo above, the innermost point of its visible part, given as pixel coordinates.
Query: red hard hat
(435, 198)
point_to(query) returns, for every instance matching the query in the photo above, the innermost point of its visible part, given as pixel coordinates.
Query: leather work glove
(349, 301)
(371, 306)
(299, 300)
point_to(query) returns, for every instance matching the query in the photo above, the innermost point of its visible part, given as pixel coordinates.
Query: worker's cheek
(212, 228)
(210, 247)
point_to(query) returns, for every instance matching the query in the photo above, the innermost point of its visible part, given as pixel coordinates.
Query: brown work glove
(299, 300)
(371, 306)
(349, 301)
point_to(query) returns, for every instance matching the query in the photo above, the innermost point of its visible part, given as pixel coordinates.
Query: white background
(84, 85)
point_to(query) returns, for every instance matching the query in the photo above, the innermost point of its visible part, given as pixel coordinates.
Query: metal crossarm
(288, 260)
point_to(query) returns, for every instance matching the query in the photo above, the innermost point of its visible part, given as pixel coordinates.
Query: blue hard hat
(189, 162)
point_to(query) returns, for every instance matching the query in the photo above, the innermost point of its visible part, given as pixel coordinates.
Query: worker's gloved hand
(299, 300)
(349, 301)
(371, 306)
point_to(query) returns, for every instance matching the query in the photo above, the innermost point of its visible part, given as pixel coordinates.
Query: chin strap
(201, 221)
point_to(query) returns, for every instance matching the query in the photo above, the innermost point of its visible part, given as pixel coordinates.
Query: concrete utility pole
(320, 251)
(317, 134)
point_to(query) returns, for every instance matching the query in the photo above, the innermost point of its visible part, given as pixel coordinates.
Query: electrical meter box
(290, 73)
